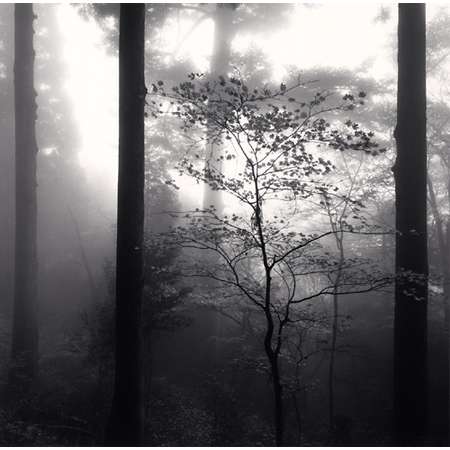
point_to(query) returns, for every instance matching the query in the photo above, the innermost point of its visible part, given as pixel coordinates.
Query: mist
(224, 224)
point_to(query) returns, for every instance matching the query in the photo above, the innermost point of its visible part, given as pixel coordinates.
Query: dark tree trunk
(274, 363)
(334, 332)
(125, 425)
(278, 400)
(25, 331)
(331, 365)
(444, 359)
(411, 294)
(277, 387)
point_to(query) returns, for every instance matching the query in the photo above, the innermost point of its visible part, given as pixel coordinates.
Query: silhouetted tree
(255, 254)
(25, 332)
(125, 425)
(410, 171)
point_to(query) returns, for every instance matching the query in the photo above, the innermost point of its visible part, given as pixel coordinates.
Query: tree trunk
(25, 331)
(410, 171)
(444, 367)
(445, 419)
(278, 401)
(126, 420)
(273, 358)
(334, 332)
(276, 387)
(7, 158)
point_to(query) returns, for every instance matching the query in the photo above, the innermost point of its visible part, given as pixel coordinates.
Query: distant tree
(260, 253)
(219, 66)
(25, 328)
(6, 154)
(125, 425)
(337, 210)
(410, 172)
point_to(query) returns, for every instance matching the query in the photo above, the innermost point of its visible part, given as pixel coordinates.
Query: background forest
(242, 240)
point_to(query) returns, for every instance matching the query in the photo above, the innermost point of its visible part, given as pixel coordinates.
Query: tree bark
(24, 354)
(277, 387)
(444, 368)
(273, 358)
(125, 425)
(410, 171)
(278, 400)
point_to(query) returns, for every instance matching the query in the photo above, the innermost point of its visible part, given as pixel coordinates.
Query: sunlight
(184, 38)
(312, 37)
(93, 86)
(321, 36)
(93, 74)
(325, 36)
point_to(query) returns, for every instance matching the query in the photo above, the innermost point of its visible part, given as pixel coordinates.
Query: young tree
(410, 172)
(263, 255)
(25, 329)
(125, 425)
(337, 210)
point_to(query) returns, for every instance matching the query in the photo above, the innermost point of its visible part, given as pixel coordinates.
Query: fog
(282, 206)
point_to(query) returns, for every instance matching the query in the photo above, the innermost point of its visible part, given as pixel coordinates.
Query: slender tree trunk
(273, 358)
(277, 388)
(25, 331)
(125, 425)
(278, 400)
(334, 333)
(410, 171)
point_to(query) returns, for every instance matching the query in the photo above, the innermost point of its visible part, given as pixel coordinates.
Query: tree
(410, 172)
(25, 329)
(219, 66)
(437, 146)
(337, 210)
(125, 425)
(226, 26)
(6, 154)
(263, 255)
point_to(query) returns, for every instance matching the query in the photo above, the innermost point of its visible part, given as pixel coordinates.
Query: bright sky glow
(180, 38)
(93, 87)
(331, 35)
